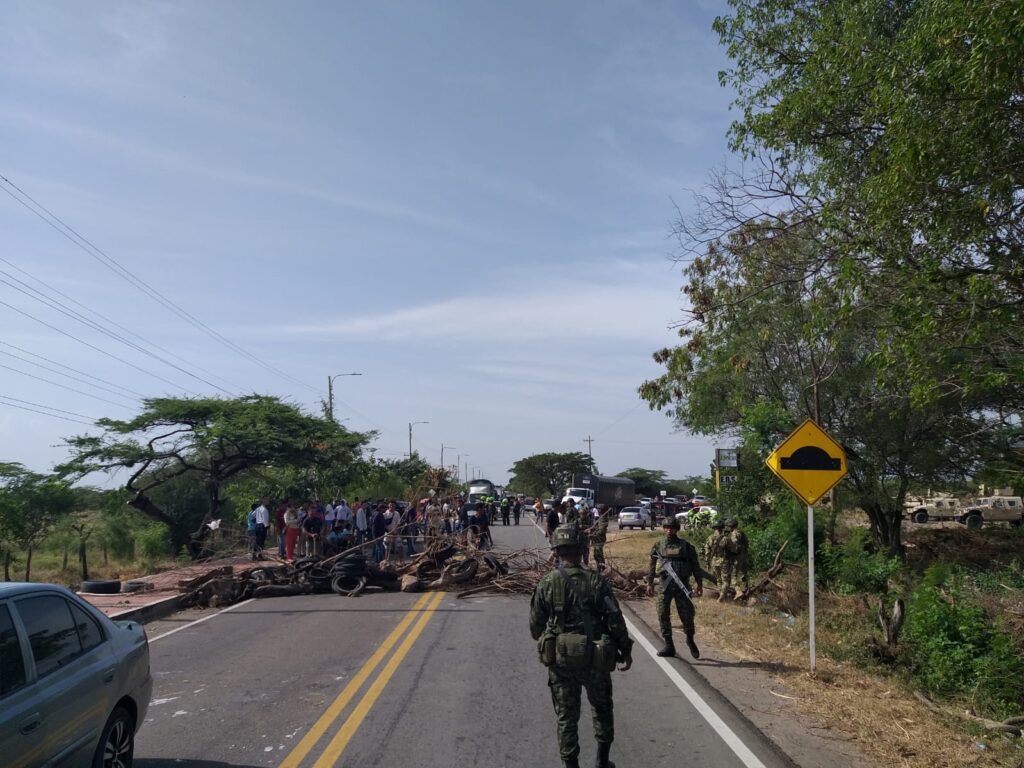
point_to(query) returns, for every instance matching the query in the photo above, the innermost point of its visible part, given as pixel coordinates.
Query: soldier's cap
(671, 522)
(716, 524)
(602, 507)
(731, 522)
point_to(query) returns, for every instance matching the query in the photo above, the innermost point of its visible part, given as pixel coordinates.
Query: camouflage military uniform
(683, 558)
(595, 594)
(572, 515)
(741, 556)
(599, 535)
(713, 554)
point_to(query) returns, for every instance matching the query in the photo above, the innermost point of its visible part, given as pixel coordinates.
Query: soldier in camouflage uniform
(573, 600)
(599, 534)
(713, 551)
(740, 548)
(680, 554)
(572, 514)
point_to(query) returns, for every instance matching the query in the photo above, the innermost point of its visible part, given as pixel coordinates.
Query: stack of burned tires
(348, 575)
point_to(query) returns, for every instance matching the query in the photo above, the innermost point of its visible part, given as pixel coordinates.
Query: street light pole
(410, 434)
(330, 391)
(458, 465)
(443, 446)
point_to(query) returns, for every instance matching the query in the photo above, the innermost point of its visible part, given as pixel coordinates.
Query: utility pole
(410, 434)
(443, 446)
(590, 450)
(330, 391)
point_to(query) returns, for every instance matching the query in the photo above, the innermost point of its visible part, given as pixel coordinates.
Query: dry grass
(877, 711)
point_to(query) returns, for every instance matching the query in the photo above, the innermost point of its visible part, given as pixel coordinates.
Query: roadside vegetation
(962, 645)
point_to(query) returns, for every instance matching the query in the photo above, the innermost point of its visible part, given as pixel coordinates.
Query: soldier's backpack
(576, 651)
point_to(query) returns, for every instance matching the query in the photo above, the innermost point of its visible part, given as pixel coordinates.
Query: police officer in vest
(673, 555)
(581, 636)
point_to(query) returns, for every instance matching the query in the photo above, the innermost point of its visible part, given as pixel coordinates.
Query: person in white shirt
(262, 524)
(361, 525)
(342, 512)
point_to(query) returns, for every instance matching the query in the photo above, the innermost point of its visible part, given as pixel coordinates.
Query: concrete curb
(151, 611)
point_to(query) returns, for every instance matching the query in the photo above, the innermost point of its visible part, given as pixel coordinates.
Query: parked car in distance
(631, 517)
(74, 685)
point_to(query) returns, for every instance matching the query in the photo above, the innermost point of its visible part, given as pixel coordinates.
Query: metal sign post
(810, 581)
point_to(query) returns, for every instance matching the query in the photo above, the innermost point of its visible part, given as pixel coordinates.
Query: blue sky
(468, 202)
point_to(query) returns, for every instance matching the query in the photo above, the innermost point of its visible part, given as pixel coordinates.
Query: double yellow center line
(424, 608)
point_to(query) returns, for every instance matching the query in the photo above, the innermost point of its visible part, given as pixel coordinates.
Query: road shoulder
(752, 691)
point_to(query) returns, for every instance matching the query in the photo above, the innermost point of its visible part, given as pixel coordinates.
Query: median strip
(298, 754)
(332, 754)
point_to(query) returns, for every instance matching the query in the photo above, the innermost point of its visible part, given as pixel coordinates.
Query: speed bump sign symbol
(809, 461)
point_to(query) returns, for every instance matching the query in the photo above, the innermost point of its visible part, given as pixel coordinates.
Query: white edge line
(729, 736)
(200, 621)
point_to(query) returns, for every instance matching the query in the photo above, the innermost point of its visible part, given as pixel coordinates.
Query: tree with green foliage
(548, 474)
(31, 504)
(772, 338)
(897, 128)
(212, 441)
(648, 482)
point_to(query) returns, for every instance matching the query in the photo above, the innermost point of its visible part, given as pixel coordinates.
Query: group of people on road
(727, 553)
(312, 528)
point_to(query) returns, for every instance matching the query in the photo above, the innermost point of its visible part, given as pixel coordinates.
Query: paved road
(417, 681)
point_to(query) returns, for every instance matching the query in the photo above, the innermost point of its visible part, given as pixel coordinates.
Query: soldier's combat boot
(572, 762)
(694, 650)
(669, 649)
(603, 750)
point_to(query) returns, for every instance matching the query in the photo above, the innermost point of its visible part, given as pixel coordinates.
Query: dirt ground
(880, 714)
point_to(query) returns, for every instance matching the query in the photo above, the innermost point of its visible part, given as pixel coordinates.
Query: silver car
(74, 685)
(631, 517)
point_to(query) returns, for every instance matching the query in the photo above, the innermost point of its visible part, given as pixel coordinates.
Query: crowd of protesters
(389, 527)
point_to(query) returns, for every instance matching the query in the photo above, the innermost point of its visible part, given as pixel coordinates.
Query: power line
(58, 225)
(44, 413)
(68, 367)
(65, 386)
(93, 346)
(48, 407)
(67, 375)
(45, 300)
(117, 325)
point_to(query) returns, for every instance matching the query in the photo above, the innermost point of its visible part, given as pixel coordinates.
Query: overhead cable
(65, 386)
(33, 293)
(117, 325)
(90, 419)
(57, 224)
(93, 346)
(59, 372)
(4, 398)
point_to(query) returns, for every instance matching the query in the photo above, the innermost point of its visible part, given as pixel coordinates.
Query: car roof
(13, 588)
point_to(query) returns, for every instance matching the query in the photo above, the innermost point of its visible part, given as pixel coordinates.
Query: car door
(74, 674)
(22, 735)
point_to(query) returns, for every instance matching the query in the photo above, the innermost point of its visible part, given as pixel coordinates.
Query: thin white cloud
(574, 310)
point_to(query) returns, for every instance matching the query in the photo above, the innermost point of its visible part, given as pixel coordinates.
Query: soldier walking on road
(599, 534)
(581, 636)
(740, 548)
(679, 555)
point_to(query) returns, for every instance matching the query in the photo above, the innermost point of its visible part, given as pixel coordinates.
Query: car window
(12, 663)
(51, 632)
(89, 633)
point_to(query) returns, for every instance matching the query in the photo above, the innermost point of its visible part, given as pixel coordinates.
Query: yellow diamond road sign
(809, 461)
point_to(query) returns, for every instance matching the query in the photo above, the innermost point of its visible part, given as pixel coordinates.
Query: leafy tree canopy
(212, 440)
(548, 474)
(30, 505)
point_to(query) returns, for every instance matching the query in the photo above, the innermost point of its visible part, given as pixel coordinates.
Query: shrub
(154, 542)
(952, 649)
(789, 522)
(854, 566)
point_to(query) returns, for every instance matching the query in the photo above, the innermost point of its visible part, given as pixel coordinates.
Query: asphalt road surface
(406, 680)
